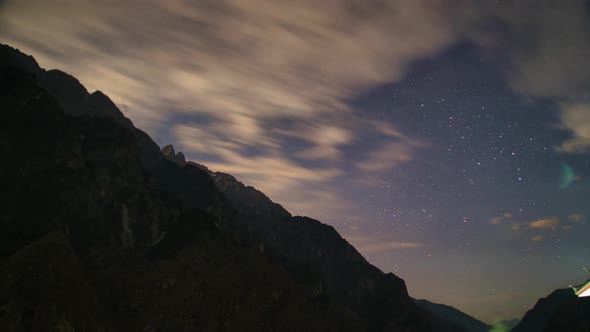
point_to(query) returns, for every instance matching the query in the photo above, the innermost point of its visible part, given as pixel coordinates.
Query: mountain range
(102, 230)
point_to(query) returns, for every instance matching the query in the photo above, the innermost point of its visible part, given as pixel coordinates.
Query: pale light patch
(386, 157)
(547, 223)
(577, 218)
(327, 141)
(537, 238)
(576, 118)
(496, 220)
(501, 218)
(518, 227)
(370, 245)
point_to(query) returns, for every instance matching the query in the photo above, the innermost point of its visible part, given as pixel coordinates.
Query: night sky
(449, 141)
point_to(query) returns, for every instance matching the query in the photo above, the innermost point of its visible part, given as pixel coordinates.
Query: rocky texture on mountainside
(561, 310)
(156, 246)
(453, 315)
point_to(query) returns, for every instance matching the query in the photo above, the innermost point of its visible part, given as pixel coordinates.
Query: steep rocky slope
(158, 246)
(88, 246)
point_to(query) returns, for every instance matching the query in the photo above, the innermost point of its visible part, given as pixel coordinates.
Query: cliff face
(150, 244)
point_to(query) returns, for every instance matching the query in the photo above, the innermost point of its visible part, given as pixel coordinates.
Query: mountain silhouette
(103, 230)
(453, 315)
(561, 310)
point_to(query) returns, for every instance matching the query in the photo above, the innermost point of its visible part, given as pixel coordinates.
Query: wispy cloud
(577, 218)
(261, 74)
(543, 225)
(501, 218)
(374, 244)
(546, 223)
(264, 73)
(576, 118)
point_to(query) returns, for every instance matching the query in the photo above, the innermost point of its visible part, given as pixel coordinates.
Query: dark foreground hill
(99, 231)
(560, 311)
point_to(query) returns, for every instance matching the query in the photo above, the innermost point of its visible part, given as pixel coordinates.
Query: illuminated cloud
(387, 156)
(501, 218)
(496, 220)
(545, 223)
(576, 118)
(577, 218)
(247, 69)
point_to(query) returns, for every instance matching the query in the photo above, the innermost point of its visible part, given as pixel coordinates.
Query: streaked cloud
(261, 74)
(576, 118)
(550, 224)
(501, 218)
(545, 223)
(371, 244)
(577, 218)
(387, 156)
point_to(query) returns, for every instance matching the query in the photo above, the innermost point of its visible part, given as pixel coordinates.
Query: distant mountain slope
(141, 224)
(562, 310)
(453, 315)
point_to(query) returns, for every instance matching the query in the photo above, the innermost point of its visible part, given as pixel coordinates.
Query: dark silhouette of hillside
(101, 231)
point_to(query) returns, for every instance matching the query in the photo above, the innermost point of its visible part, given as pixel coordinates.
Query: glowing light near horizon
(585, 292)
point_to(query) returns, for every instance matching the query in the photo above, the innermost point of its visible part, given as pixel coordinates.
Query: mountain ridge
(160, 211)
(561, 310)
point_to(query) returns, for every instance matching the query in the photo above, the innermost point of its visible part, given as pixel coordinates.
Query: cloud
(501, 218)
(547, 223)
(525, 227)
(577, 218)
(576, 118)
(260, 59)
(496, 220)
(543, 47)
(265, 73)
(261, 74)
(388, 156)
(370, 245)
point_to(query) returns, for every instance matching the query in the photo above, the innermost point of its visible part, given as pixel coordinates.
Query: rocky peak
(177, 158)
